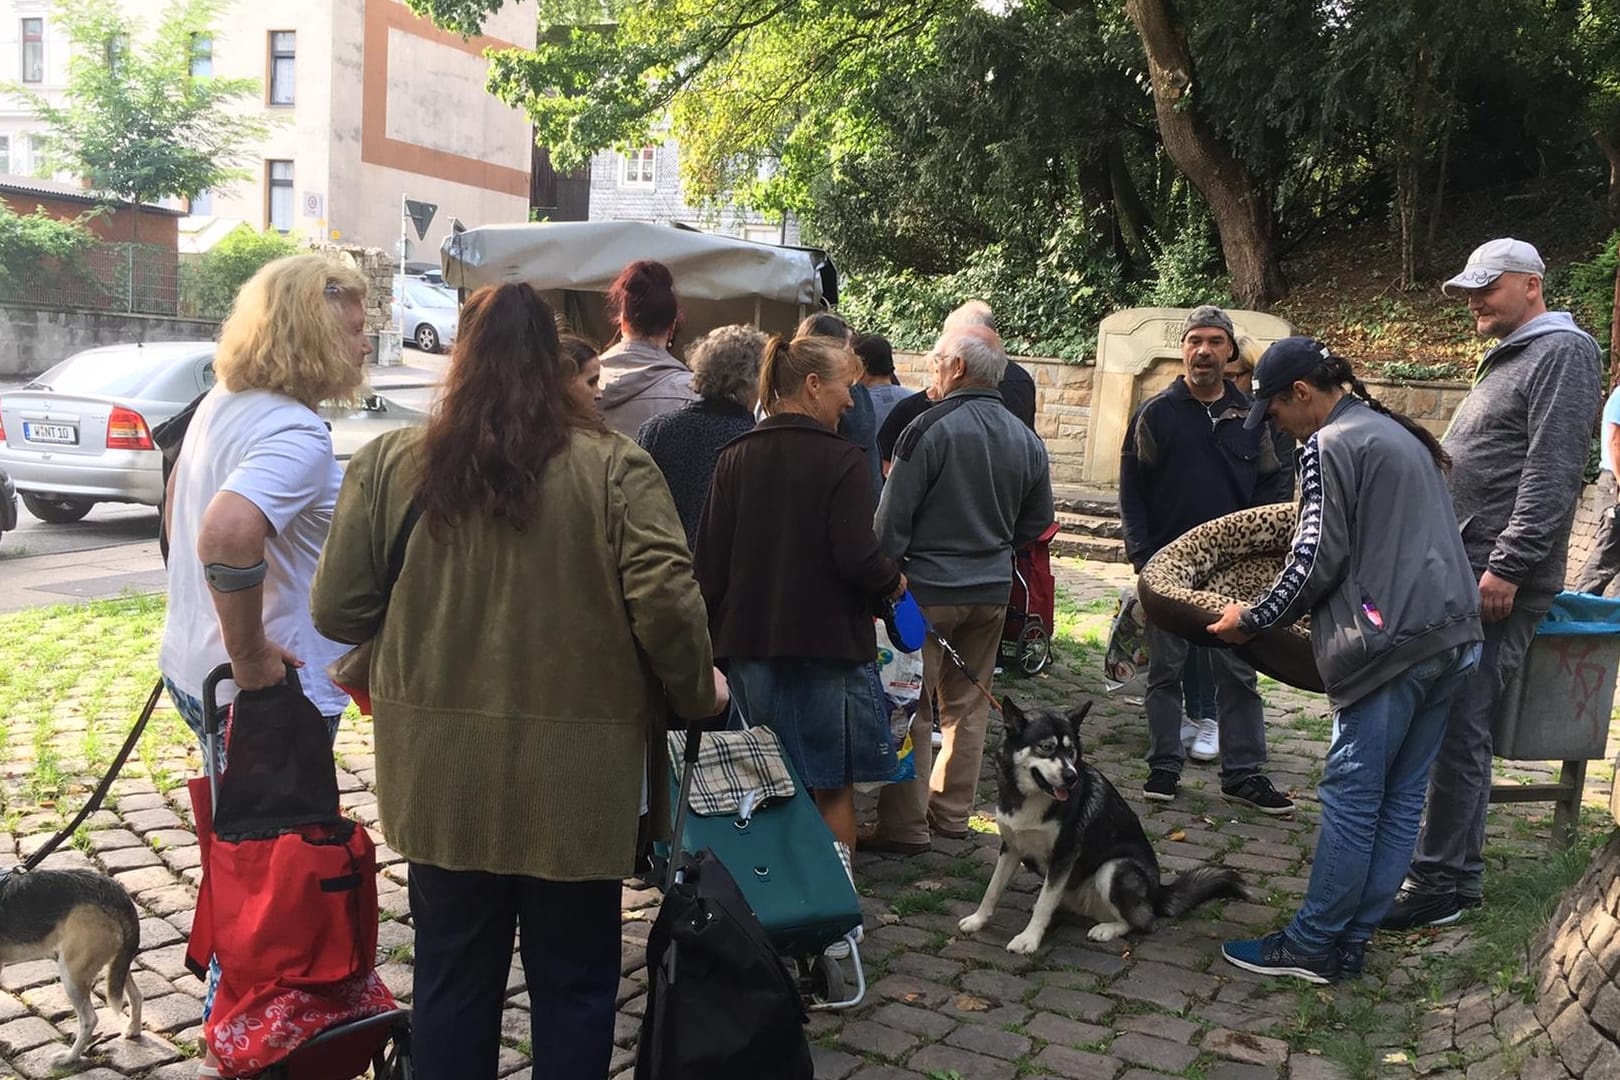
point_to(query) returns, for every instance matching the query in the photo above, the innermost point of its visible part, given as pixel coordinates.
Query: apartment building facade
(367, 104)
(645, 185)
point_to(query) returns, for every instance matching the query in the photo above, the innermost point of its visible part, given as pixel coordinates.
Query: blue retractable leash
(908, 627)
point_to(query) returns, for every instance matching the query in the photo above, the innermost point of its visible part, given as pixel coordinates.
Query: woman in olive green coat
(544, 623)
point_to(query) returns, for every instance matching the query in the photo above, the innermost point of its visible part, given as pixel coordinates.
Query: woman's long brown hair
(504, 413)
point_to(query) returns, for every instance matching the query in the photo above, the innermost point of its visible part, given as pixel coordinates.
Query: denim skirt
(829, 716)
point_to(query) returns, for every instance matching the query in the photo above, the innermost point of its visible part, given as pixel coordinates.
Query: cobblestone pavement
(938, 1005)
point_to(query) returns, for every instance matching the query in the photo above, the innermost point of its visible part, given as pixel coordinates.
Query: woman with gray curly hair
(686, 442)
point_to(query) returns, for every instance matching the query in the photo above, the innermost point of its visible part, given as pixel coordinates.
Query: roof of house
(57, 189)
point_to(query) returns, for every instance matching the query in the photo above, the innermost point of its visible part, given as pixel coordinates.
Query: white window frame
(5, 154)
(202, 54)
(639, 168)
(22, 49)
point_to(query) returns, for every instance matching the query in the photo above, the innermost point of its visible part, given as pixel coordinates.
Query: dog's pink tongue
(1061, 795)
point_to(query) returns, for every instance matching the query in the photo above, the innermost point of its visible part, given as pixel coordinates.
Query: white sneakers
(1189, 731)
(1206, 744)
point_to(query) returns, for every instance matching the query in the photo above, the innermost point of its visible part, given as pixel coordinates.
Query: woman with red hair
(640, 378)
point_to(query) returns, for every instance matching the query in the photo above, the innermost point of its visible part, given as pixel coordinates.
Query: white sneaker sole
(1154, 796)
(1298, 973)
(1204, 755)
(1274, 811)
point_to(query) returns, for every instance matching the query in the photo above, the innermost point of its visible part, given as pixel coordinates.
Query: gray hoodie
(1519, 443)
(640, 382)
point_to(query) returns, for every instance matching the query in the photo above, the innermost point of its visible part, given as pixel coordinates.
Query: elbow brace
(229, 579)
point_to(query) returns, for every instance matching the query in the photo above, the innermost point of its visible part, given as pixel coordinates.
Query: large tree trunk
(1241, 214)
(1135, 219)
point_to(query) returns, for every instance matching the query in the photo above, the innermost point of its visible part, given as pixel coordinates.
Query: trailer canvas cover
(719, 279)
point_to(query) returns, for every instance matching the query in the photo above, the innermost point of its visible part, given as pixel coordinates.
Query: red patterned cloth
(252, 1032)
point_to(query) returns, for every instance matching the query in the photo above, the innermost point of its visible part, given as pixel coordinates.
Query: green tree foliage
(136, 124)
(1102, 152)
(209, 285)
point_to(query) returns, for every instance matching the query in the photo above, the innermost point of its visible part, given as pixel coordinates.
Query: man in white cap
(1519, 444)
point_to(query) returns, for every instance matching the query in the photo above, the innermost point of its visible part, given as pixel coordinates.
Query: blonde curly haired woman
(253, 491)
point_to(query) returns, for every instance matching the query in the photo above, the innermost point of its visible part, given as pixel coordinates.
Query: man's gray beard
(1213, 379)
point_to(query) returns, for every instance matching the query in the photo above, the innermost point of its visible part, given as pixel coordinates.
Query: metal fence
(115, 277)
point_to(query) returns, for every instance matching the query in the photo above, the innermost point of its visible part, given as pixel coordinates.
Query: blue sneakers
(1276, 955)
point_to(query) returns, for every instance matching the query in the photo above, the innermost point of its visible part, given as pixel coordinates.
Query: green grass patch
(1520, 900)
(77, 677)
(1353, 1024)
(1080, 635)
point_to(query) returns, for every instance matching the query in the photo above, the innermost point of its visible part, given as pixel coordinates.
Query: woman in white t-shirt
(252, 493)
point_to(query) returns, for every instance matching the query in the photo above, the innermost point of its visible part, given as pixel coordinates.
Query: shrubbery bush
(1045, 306)
(208, 286)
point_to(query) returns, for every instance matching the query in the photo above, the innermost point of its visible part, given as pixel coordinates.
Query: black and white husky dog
(86, 922)
(1061, 818)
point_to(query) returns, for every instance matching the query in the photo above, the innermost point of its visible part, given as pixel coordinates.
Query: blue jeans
(1372, 799)
(191, 711)
(1198, 684)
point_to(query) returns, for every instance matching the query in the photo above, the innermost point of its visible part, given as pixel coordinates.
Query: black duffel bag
(721, 1004)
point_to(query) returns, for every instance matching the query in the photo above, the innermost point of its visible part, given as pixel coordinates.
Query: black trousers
(569, 944)
(1604, 563)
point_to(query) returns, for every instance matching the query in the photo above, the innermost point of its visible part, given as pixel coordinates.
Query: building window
(33, 50)
(279, 179)
(638, 167)
(115, 48)
(202, 56)
(36, 156)
(201, 204)
(282, 54)
(5, 154)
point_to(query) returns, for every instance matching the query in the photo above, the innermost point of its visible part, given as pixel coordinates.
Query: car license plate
(60, 434)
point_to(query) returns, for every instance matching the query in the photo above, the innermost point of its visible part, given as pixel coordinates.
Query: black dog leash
(961, 665)
(100, 793)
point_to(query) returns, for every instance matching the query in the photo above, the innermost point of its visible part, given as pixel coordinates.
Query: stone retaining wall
(34, 338)
(378, 268)
(1063, 417)
(1063, 404)
(1578, 997)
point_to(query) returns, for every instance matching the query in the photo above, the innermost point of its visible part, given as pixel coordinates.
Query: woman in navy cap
(1378, 564)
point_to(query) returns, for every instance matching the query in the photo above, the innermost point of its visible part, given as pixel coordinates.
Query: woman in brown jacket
(792, 575)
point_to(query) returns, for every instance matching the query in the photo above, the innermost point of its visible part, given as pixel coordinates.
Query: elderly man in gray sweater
(1519, 444)
(969, 484)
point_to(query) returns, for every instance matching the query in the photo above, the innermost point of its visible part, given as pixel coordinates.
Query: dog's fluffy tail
(1200, 886)
(119, 986)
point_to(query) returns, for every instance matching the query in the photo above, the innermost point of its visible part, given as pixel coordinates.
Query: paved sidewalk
(939, 1006)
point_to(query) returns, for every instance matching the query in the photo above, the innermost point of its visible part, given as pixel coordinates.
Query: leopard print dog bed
(1233, 559)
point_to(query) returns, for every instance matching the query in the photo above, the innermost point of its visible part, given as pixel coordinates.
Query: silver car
(428, 313)
(82, 432)
(8, 504)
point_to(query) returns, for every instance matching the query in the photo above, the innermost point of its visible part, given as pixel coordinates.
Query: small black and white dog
(83, 920)
(1061, 818)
